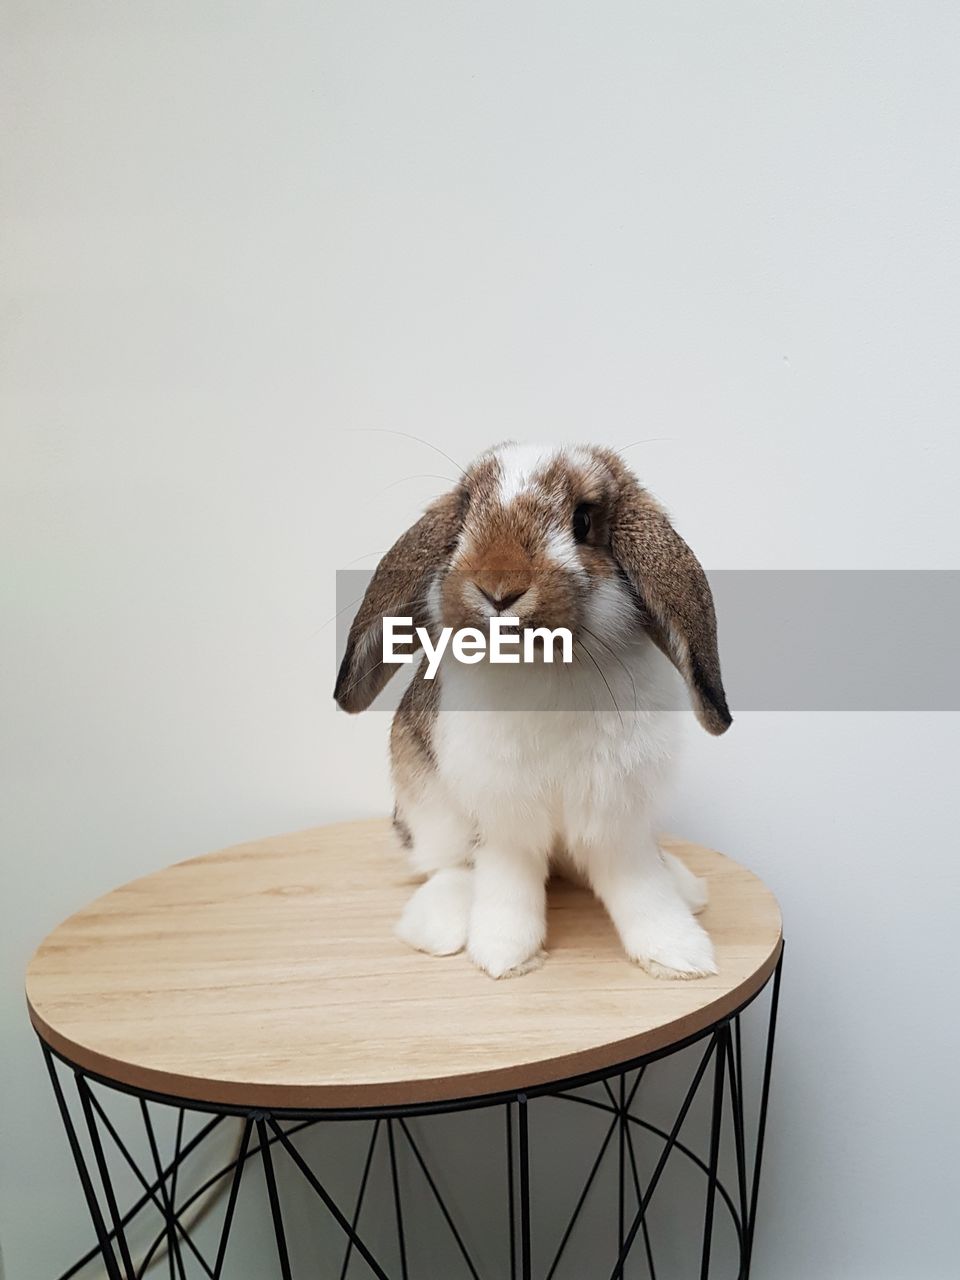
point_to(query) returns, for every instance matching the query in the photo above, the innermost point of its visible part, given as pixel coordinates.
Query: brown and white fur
(501, 772)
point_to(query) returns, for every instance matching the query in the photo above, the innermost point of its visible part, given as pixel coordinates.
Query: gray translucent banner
(805, 640)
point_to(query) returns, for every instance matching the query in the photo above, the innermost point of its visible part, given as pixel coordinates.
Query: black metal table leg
(269, 1137)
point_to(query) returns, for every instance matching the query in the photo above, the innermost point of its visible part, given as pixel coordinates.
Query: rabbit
(503, 773)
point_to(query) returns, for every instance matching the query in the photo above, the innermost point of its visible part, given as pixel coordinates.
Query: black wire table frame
(268, 1135)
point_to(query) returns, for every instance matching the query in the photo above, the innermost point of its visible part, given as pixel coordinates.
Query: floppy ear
(675, 595)
(397, 589)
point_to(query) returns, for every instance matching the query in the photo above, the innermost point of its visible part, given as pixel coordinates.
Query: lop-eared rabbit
(504, 771)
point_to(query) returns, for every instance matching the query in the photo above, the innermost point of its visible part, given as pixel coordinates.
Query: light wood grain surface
(267, 975)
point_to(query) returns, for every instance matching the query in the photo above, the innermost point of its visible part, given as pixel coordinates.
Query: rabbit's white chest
(570, 770)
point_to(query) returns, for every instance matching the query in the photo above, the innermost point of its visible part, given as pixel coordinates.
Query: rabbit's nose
(501, 602)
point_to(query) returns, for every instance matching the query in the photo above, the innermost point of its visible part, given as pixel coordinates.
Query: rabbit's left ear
(675, 594)
(398, 587)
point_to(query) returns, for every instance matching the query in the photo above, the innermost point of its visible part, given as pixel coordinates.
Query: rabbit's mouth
(535, 599)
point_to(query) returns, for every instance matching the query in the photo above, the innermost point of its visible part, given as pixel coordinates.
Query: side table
(264, 982)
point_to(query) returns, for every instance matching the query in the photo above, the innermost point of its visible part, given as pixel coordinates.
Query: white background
(240, 236)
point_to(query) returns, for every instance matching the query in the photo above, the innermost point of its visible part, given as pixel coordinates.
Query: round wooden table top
(268, 975)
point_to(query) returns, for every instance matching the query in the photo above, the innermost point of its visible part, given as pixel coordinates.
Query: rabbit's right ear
(675, 597)
(397, 589)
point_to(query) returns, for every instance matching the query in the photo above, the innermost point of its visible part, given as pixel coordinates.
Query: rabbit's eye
(581, 522)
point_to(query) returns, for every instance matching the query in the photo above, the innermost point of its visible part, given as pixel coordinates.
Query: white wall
(239, 236)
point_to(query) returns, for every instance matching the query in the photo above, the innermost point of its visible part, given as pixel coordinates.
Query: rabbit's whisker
(616, 657)
(613, 699)
(407, 435)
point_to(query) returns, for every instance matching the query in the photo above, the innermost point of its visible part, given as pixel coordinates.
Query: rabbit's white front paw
(501, 961)
(505, 948)
(675, 947)
(435, 918)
